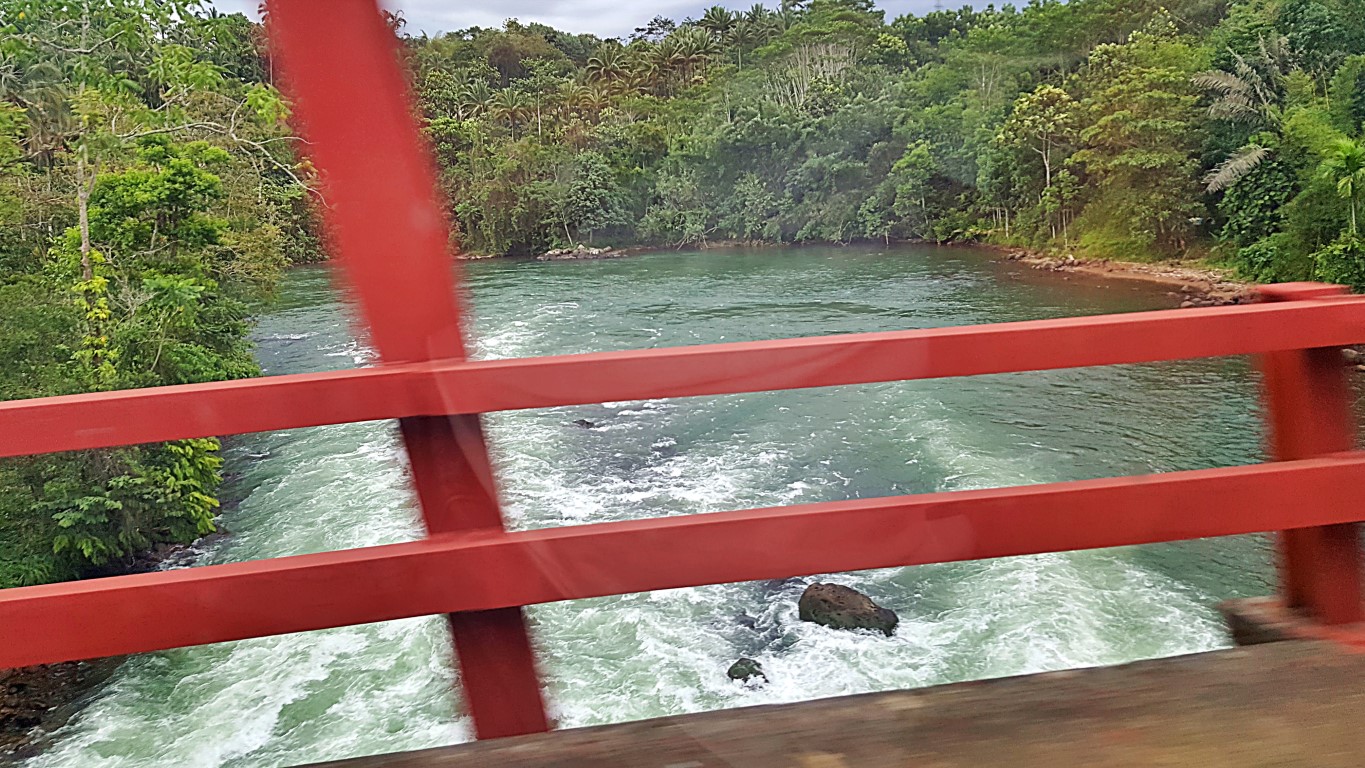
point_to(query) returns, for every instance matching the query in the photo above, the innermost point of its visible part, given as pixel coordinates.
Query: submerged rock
(839, 607)
(584, 423)
(746, 669)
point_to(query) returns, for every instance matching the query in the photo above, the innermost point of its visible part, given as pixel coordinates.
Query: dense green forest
(1111, 128)
(150, 194)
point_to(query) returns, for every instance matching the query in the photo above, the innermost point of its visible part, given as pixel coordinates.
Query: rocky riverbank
(1199, 286)
(582, 251)
(1195, 286)
(35, 701)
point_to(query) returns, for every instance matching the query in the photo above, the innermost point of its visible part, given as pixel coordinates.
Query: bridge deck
(1283, 704)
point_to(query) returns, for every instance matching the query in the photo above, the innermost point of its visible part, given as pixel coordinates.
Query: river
(385, 687)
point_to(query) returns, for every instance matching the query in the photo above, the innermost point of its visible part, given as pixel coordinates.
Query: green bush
(1274, 259)
(1253, 206)
(1342, 262)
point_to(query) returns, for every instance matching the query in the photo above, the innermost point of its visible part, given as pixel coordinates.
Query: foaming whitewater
(386, 687)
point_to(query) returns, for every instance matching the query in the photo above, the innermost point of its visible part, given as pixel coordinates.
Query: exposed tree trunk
(84, 186)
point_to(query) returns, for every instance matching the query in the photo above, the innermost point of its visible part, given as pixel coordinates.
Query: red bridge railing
(392, 236)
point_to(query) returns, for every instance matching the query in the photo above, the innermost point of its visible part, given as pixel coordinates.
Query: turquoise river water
(386, 687)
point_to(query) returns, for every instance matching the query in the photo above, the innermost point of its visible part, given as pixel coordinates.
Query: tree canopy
(148, 195)
(1136, 130)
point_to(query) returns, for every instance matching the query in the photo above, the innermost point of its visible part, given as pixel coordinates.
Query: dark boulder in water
(840, 607)
(746, 669)
(584, 423)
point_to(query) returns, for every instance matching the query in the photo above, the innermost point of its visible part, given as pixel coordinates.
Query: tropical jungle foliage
(1115, 128)
(148, 195)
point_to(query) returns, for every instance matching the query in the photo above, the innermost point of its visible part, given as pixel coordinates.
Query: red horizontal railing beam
(490, 570)
(155, 414)
(45, 425)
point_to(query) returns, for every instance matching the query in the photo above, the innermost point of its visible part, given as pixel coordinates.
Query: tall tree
(1138, 145)
(1043, 121)
(718, 21)
(1250, 94)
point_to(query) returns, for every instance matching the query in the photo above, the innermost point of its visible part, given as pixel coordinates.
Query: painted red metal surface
(342, 65)
(392, 240)
(454, 386)
(1308, 407)
(491, 570)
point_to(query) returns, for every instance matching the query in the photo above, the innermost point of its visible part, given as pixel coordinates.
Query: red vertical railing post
(1308, 410)
(342, 67)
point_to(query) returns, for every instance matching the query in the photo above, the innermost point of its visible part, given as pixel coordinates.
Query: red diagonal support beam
(104, 419)
(342, 65)
(493, 570)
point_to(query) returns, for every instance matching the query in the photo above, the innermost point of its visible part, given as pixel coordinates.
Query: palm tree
(512, 106)
(717, 21)
(609, 63)
(742, 35)
(1344, 164)
(1252, 93)
(44, 91)
(11, 76)
(1237, 166)
(473, 98)
(665, 59)
(783, 20)
(576, 96)
(644, 71)
(596, 100)
(694, 48)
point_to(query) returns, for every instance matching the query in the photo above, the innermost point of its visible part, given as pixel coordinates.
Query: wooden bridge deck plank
(1284, 704)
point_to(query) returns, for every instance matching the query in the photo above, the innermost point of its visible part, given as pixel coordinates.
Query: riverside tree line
(1114, 128)
(151, 194)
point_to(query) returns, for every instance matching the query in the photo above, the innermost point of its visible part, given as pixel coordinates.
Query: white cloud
(608, 18)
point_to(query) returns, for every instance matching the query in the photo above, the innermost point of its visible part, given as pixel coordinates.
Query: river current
(386, 687)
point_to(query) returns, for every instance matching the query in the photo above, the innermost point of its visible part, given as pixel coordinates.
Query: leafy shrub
(1274, 259)
(1342, 262)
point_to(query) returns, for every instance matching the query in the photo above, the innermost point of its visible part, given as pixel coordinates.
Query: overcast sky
(608, 18)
